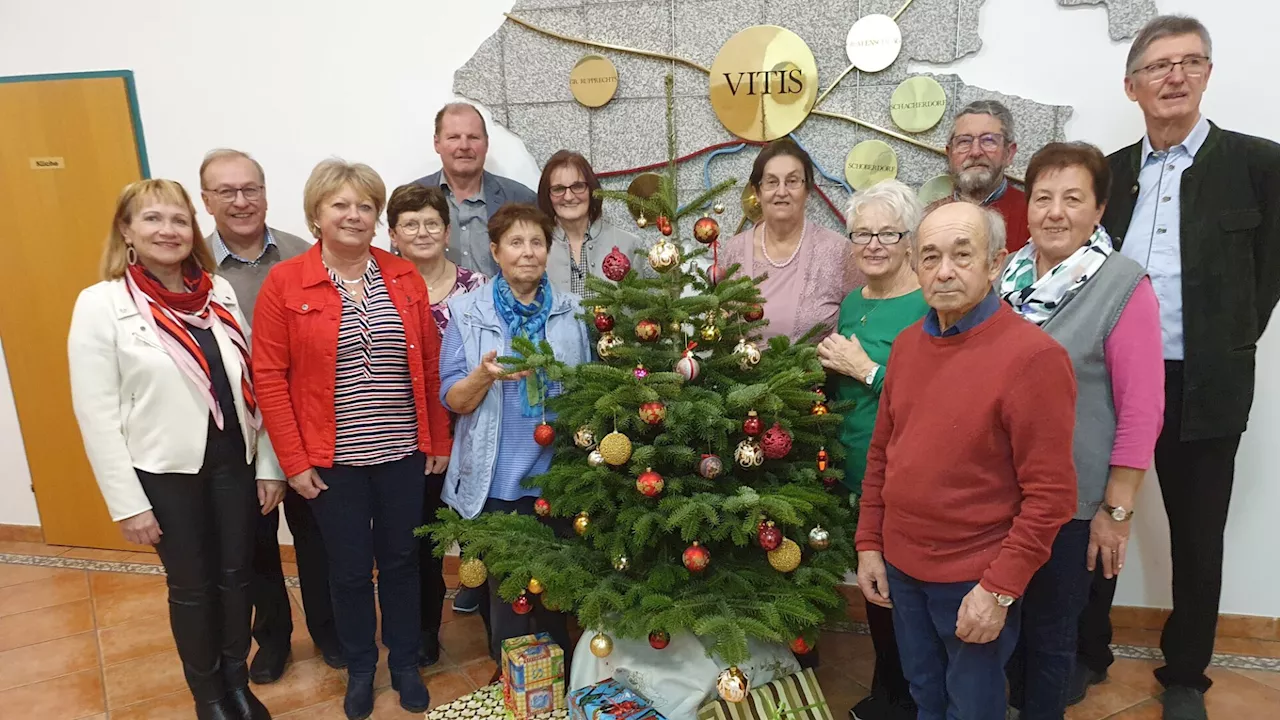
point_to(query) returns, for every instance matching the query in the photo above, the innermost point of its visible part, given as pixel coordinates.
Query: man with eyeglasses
(981, 148)
(233, 187)
(1197, 206)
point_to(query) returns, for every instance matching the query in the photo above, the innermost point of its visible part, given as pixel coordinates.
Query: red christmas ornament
(604, 323)
(653, 412)
(800, 646)
(522, 605)
(650, 483)
(776, 442)
(615, 265)
(769, 536)
(648, 331)
(829, 482)
(696, 558)
(659, 639)
(542, 507)
(752, 425)
(544, 434)
(664, 225)
(641, 372)
(824, 459)
(706, 230)
(715, 274)
(753, 313)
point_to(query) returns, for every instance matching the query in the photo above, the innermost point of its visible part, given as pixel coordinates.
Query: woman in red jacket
(347, 355)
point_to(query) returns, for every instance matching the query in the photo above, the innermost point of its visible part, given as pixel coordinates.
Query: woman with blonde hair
(163, 389)
(348, 355)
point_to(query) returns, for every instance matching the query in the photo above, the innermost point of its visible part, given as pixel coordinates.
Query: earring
(130, 255)
(315, 230)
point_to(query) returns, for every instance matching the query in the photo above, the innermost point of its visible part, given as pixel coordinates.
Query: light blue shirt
(222, 252)
(1154, 237)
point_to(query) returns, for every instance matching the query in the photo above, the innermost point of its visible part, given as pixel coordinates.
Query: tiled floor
(86, 644)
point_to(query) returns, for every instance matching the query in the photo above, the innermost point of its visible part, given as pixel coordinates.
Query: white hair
(900, 199)
(993, 221)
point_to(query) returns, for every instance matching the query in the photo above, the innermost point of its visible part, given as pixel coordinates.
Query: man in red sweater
(969, 474)
(981, 148)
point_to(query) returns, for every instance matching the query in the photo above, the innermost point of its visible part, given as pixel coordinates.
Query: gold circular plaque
(869, 162)
(936, 188)
(594, 80)
(751, 209)
(646, 186)
(918, 104)
(763, 83)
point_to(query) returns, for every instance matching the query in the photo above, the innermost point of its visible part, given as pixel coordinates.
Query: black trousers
(430, 568)
(207, 521)
(888, 679)
(272, 619)
(1195, 481)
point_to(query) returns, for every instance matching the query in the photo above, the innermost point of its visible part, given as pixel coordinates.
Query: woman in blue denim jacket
(493, 407)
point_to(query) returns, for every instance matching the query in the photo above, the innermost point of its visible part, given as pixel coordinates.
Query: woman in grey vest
(1101, 307)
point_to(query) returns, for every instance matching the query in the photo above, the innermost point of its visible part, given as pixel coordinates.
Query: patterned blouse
(373, 405)
(465, 282)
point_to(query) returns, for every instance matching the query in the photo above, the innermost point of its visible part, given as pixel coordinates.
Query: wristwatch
(1004, 601)
(870, 379)
(1118, 514)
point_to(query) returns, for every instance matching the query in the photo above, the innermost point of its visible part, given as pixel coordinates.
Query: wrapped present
(795, 697)
(532, 675)
(610, 700)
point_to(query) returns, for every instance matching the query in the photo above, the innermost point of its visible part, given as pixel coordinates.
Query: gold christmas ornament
(749, 454)
(748, 354)
(819, 538)
(621, 563)
(732, 685)
(615, 448)
(472, 573)
(710, 332)
(606, 344)
(535, 586)
(584, 437)
(787, 557)
(719, 208)
(664, 256)
(581, 522)
(641, 222)
(601, 645)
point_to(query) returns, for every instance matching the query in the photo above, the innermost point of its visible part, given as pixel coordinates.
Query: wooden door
(68, 144)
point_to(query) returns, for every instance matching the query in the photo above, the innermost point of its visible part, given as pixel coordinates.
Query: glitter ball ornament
(710, 332)
(786, 557)
(641, 372)
(615, 448)
(584, 437)
(801, 646)
(664, 225)
(621, 563)
(664, 256)
(688, 367)
(544, 434)
(718, 208)
(523, 605)
(696, 558)
(650, 483)
(824, 460)
(606, 344)
(534, 587)
(748, 354)
(595, 459)
(753, 313)
(648, 331)
(819, 538)
(472, 573)
(732, 685)
(752, 425)
(659, 639)
(601, 645)
(581, 522)
(653, 413)
(776, 442)
(749, 454)
(541, 507)
(769, 536)
(710, 467)
(604, 323)
(615, 265)
(706, 230)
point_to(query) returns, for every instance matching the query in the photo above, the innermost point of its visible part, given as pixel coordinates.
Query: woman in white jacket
(162, 385)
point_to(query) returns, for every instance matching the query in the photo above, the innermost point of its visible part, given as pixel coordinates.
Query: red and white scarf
(168, 313)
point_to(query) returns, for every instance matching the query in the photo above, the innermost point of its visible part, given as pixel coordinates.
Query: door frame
(131, 90)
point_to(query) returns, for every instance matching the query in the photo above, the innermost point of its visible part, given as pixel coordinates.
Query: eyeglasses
(989, 142)
(559, 190)
(1193, 66)
(251, 193)
(413, 227)
(887, 237)
(770, 184)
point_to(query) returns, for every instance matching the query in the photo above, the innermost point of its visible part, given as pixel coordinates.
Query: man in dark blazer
(1199, 207)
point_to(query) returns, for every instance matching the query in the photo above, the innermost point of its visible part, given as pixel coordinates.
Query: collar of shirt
(972, 319)
(1191, 145)
(478, 198)
(995, 194)
(222, 252)
(593, 232)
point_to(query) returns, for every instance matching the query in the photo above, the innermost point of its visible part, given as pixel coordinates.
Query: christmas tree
(699, 466)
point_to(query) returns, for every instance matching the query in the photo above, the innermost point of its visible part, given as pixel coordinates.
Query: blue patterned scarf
(528, 321)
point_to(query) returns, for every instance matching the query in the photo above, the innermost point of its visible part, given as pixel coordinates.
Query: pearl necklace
(764, 231)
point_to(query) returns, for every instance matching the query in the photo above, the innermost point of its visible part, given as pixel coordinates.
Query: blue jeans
(950, 679)
(371, 512)
(1041, 667)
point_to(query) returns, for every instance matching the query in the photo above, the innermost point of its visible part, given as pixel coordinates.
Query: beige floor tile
(56, 590)
(48, 660)
(51, 623)
(143, 679)
(69, 697)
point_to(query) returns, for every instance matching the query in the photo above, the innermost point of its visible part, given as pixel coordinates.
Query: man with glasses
(981, 148)
(1197, 206)
(233, 187)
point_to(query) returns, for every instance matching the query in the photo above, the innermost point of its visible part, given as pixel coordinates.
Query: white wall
(293, 83)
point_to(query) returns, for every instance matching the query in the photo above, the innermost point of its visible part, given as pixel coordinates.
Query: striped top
(373, 408)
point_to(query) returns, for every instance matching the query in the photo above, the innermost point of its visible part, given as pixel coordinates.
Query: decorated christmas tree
(697, 463)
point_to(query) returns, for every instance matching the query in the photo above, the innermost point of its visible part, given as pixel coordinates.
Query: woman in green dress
(881, 220)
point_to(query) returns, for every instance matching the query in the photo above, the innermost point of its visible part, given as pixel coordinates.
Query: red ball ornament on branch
(706, 230)
(696, 558)
(648, 331)
(653, 412)
(776, 442)
(769, 536)
(604, 323)
(541, 507)
(650, 483)
(522, 605)
(544, 434)
(801, 646)
(752, 425)
(715, 274)
(640, 371)
(659, 639)
(664, 225)
(615, 265)
(754, 313)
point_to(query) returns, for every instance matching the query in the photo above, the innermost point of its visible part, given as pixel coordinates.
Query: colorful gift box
(532, 675)
(610, 700)
(795, 697)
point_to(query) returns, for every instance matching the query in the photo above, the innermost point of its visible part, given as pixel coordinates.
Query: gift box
(610, 700)
(795, 697)
(532, 675)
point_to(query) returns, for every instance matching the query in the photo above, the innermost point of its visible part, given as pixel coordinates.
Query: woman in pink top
(1101, 307)
(808, 269)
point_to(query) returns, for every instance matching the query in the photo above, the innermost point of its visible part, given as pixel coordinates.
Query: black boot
(219, 709)
(248, 706)
(268, 664)
(413, 694)
(429, 649)
(358, 703)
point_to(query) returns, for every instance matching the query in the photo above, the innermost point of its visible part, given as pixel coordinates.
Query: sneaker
(1081, 678)
(466, 601)
(1183, 703)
